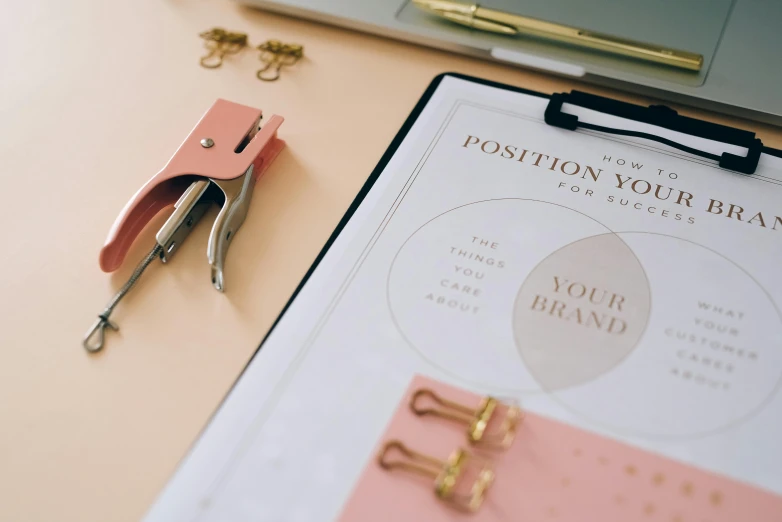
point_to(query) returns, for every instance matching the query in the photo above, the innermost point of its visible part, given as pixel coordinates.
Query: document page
(608, 283)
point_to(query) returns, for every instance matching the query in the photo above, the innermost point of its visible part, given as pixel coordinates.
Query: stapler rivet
(199, 174)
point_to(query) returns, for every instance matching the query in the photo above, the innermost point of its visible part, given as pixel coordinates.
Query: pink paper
(551, 472)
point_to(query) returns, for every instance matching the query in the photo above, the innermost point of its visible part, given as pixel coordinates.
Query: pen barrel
(644, 51)
(594, 40)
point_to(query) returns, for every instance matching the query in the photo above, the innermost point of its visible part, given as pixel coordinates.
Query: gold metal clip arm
(448, 409)
(415, 462)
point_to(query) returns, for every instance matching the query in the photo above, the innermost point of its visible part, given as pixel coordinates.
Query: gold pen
(491, 20)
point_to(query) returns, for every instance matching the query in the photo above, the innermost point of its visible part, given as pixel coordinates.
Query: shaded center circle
(581, 311)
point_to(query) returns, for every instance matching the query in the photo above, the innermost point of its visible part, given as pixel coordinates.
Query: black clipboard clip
(660, 116)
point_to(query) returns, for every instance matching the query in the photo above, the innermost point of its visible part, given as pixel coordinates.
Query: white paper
(458, 265)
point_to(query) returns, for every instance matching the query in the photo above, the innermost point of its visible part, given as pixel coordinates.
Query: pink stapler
(219, 162)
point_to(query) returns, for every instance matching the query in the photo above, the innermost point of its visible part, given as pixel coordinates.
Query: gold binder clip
(488, 425)
(461, 481)
(220, 42)
(277, 55)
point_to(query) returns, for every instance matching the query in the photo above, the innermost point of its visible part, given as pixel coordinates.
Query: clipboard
(556, 114)
(659, 115)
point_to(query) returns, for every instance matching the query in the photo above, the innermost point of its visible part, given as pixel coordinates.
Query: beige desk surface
(94, 98)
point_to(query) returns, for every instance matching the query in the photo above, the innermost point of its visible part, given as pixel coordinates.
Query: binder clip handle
(554, 115)
(745, 164)
(659, 116)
